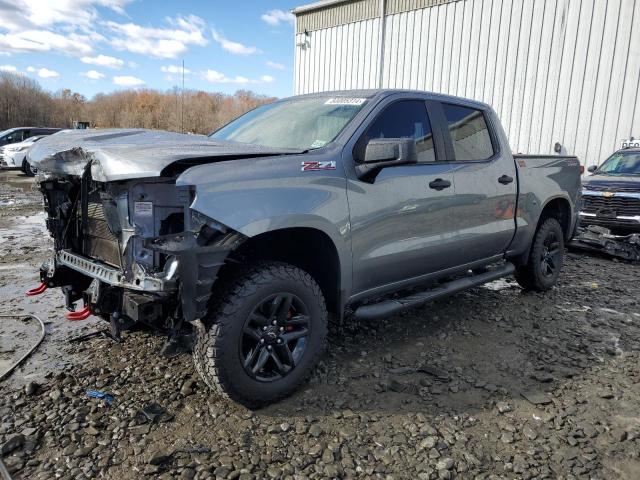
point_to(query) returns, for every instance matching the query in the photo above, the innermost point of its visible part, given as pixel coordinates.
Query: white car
(14, 155)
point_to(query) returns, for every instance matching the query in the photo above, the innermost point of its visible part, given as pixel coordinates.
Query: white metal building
(564, 71)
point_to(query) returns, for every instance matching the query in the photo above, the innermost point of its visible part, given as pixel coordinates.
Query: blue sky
(93, 46)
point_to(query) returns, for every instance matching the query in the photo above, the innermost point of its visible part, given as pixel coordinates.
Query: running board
(389, 307)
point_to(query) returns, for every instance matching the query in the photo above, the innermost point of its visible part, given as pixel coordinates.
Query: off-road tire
(531, 275)
(216, 352)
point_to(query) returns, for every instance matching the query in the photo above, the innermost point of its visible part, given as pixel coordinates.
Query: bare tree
(23, 102)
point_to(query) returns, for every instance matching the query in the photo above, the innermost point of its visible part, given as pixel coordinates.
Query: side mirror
(592, 168)
(386, 152)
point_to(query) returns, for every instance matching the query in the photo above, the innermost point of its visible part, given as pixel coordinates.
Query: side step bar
(389, 307)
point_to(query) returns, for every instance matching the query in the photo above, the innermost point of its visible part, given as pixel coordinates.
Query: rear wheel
(545, 259)
(264, 335)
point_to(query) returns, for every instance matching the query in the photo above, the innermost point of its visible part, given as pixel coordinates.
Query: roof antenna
(182, 106)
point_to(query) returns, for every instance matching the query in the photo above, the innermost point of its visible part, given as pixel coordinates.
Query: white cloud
(30, 41)
(46, 73)
(275, 17)
(128, 81)
(93, 75)
(60, 26)
(8, 68)
(277, 66)
(175, 69)
(214, 76)
(27, 14)
(103, 61)
(159, 42)
(217, 77)
(31, 69)
(236, 48)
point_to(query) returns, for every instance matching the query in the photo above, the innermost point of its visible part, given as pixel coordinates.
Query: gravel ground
(491, 383)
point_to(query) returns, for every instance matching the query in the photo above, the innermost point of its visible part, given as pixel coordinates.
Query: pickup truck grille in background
(617, 187)
(619, 206)
(99, 242)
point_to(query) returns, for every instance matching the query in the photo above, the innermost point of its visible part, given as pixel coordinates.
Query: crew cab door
(400, 224)
(485, 179)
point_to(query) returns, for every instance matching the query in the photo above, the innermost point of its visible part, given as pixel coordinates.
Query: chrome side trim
(107, 274)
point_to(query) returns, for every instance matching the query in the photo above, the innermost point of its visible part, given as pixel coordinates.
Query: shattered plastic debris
(500, 284)
(107, 397)
(153, 413)
(599, 239)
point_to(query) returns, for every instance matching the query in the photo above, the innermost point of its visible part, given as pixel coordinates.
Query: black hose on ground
(31, 350)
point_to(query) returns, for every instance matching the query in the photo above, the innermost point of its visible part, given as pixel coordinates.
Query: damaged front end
(132, 250)
(598, 239)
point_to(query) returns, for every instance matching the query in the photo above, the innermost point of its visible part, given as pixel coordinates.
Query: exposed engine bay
(132, 250)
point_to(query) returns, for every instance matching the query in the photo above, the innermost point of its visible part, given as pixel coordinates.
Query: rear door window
(469, 132)
(405, 119)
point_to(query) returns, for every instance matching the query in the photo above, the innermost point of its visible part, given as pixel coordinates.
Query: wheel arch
(558, 207)
(308, 248)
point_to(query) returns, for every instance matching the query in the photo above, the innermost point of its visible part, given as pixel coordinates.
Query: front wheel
(263, 336)
(28, 170)
(545, 259)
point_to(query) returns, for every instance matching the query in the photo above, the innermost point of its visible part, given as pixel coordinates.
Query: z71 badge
(316, 166)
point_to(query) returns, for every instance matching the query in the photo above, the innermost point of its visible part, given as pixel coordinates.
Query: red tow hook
(81, 315)
(38, 290)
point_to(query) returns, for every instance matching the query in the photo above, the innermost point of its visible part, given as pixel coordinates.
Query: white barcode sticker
(345, 101)
(143, 209)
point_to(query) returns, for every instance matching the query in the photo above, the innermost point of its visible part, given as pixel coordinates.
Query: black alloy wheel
(550, 255)
(545, 258)
(275, 337)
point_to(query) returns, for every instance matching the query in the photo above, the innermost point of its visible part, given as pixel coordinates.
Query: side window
(405, 119)
(469, 132)
(15, 137)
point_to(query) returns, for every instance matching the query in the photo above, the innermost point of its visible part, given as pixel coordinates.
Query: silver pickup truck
(314, 205)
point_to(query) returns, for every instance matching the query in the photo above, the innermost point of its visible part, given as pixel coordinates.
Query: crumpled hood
(120, 154)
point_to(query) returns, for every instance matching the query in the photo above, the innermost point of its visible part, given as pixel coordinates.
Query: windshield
(621, 164)
(302, 124)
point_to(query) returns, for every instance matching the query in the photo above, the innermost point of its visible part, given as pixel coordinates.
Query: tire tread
(212, 333)
(529, 276)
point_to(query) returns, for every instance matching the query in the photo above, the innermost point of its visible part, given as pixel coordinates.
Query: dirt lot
(491, 383)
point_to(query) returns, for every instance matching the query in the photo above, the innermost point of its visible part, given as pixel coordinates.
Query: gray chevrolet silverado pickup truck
(363, 201)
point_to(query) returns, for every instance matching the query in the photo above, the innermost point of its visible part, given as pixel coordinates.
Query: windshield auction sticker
(345, 101)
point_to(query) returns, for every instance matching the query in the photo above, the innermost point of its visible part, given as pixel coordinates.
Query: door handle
(505, 179)
(439, 184)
